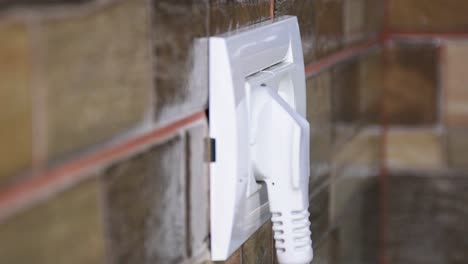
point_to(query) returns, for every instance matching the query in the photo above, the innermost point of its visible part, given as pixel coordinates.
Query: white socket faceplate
(269, 53)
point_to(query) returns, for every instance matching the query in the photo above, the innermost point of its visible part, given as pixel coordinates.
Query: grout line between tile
(30, 191)
(340, 56)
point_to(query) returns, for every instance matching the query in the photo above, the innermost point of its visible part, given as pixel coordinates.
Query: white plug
(259, 134)
(280, 157)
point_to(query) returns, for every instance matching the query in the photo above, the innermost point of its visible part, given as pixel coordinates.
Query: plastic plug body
(280, 158)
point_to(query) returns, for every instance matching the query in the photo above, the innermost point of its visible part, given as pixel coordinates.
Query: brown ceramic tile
(357, 87)
(258, 248)
(304, 11)
(362, 20)
(370, 87)
(322, 253)
(15, 98)
(434, 15)
(345, 103)
(354, 20)
(420, 149)
(328, 26)
(370, 216)
(145, 200)
(344, 190)
(454, 83)
(64, 229)
(348, 249)
(319, 117)
(458, 148)
(374, 14)
(319, 205)
(355, 96)
(410, 83)
(359, 154)
(181, 58)
(427, 219)
(98, 80)
(357, 232)
(197, 188)
(230, 15)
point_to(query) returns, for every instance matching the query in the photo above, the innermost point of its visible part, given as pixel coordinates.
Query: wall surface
(103, 125)
(423, 190)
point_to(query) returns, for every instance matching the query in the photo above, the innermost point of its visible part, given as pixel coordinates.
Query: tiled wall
(425, 84)
(103, 125)
(423, 189)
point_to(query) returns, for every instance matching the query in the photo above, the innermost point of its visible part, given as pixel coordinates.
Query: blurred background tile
(357, 226)
(427, 219)
(354, 20)
(410, 83)
(359, 153)
(319, 117)
(66, 228)
(328, 26)
(228, 15)
(305, 12)
(370, 87)
(15, 99)
(181, 58)
(258, 248)
(420, 149)
(455, 84)
(424, 15)
(322, 254)
(145, 201)
(98, 81)
(457, 143)
(319, 206)
(346, 92)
